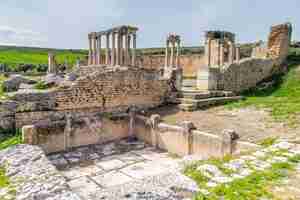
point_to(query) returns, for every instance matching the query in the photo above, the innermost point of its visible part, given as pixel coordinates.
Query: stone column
(126, 49)
(231, 52)
(238, 54)
(178, 55)
(113, 49)
(208, 52)
(107, 50)
(172, 55)
(90, 50)
(94, 49)
(99, 49)
(221, 54)
(121, 49)
(118, 49)
(51, 64)
(133, 49)
(167, 56)
(129, 60)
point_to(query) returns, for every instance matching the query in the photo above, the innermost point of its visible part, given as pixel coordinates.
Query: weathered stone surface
(53, 79)
(7, 114)
(33, 176)
(14, 82)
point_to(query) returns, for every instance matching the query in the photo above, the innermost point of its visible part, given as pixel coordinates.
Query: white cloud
(15, 36)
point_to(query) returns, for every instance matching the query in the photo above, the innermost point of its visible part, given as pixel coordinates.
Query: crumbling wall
(105, 89)
(248, 72)
(74, 131)
(279, 41)
(114, 89)
(245, 74)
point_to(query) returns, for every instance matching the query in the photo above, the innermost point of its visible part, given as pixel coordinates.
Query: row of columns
(172, 53)
(121, 52)
(218, 52)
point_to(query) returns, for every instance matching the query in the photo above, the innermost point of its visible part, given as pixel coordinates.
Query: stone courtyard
(106, 171)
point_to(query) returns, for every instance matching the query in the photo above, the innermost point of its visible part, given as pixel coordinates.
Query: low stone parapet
(185, 139)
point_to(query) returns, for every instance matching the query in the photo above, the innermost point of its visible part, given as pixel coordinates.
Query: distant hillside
(14, 56)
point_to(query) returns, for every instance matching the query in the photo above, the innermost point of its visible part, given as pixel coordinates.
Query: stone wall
(190, 62)
(186, 140)
(73, 131)
(103, 89)
(114, 89)
(279, 41)
(7, 115)
(244, 75)
(248, 72)
(181, 140)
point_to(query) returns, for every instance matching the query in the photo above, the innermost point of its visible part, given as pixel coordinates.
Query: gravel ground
(251, 124)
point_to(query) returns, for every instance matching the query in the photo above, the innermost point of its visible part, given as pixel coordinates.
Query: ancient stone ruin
(173, 60)
(92, 111)
(120, 47)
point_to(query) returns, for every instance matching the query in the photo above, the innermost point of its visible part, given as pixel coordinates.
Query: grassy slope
(16, 55)
(283, 99)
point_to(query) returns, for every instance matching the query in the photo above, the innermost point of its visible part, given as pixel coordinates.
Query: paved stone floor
(122, 170)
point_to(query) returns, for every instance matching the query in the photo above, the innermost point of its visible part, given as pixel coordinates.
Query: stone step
(205, 94)
(187, 107)
(194, 104)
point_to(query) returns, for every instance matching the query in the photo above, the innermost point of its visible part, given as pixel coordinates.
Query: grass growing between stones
(191, 171)
(10, 139)
(41, 85)
(268, 141)
(3, 96)
(282, 98)
(4, 182)
(255, 186)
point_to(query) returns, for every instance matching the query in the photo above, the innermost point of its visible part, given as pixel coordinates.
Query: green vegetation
(14, 57)
(41, 85)
(282, 98)
(268, 141)
(4, 182)
(200, 178)
(255, 186)
(10, 139)
(2, 94)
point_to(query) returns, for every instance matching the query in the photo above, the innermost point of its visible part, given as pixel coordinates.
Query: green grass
(4, 182)
(282, 99)
(255, 186)
(41, 85)
(10, 139)
(268, 141)
(191, 171)
(3, 96)
(12, 56)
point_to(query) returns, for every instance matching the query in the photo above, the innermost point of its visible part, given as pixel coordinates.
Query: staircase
(192, 99)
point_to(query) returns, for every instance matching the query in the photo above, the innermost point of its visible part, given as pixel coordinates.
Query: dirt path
(251, 124)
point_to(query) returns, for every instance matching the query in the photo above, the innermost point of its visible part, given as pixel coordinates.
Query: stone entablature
(118, 51)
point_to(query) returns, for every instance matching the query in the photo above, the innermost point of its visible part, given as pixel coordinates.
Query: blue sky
(66, 23)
